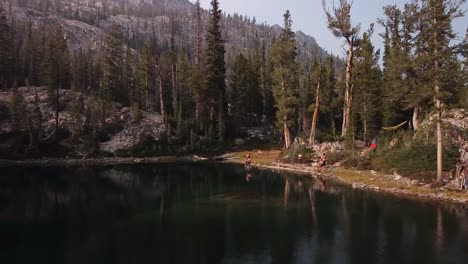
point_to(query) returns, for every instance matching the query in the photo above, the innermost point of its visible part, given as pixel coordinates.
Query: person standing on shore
(248, 160)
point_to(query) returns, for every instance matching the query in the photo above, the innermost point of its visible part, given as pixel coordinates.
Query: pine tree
(340, 24)
(143, 97)
(112, 67)
(198, 91)
(6, 52)
(173, 56)
(436, 55)
(56, 68)
(76, 112)
(417, 94)
(221, 124)
(268, 103)
(400, 88)
(255, 97)
(81, 71)
(463, 91)
(367, 86)
(330, 103)
(186, 102)
(128, 74)
(28, 56)
(164, 84)
(239, 84)
(215, 70)
(198, 33)
(283, 57)
(393, 87)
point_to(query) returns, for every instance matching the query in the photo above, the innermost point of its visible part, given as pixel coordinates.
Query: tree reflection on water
(212, 213)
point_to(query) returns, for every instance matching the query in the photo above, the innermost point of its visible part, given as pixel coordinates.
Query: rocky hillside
(86, 21)
(119, 132)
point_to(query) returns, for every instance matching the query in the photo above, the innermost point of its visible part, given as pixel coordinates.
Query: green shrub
(415, 158)
(293, 152)
(352, 159)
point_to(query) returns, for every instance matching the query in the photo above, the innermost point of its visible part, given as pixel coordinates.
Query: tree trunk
(365, 125)
(416, 111)
(305, 122)
(57, 109)
(287, 136)
(333, 123)
(299, 120)
(212, 109)
(348, 93)
(438, 109)
(366, 131)
(198, 37)
(439, 138)
(148, 94)
(315, 117)
(174, 88)
(161, 101)
(197, 110)
(198, 49)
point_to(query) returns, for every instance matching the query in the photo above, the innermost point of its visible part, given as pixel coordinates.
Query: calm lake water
(214, 213)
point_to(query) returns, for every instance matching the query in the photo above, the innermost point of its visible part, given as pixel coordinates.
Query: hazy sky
(308, 16)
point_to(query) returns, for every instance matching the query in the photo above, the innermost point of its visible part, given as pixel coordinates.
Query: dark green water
(212, 213)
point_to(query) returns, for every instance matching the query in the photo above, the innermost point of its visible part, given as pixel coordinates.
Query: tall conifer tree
(215, 71)
(285, 78)
(6, 52)
(367, 86)
(339, 22)
(112, 88)
(437, 55)
(56, 67)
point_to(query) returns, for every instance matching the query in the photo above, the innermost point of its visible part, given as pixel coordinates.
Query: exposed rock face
(127, 130)
(85, 23)
(151, 124)
(331, 147)
(454, 128)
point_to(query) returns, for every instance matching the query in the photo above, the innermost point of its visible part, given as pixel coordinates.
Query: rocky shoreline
(371, 181)
(360, 180)
(90, 161)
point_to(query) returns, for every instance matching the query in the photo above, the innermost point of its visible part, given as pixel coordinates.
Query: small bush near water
(291, 154)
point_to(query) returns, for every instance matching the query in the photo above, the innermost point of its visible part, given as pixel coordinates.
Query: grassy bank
(367, 180)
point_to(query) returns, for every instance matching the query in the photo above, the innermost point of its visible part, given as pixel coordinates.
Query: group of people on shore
(320, 164)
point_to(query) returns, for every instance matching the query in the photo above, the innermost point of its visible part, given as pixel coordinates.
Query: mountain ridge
(86, 22)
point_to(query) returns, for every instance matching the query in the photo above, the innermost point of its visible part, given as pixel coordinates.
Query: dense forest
(209, 75)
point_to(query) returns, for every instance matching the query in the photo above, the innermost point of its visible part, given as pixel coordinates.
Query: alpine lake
(205, 212)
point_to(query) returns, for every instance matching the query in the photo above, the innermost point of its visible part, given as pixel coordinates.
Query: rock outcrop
(454, 129)
(151, 124)
(126, 132)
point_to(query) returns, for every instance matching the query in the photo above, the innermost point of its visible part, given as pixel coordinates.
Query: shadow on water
(215, 213)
